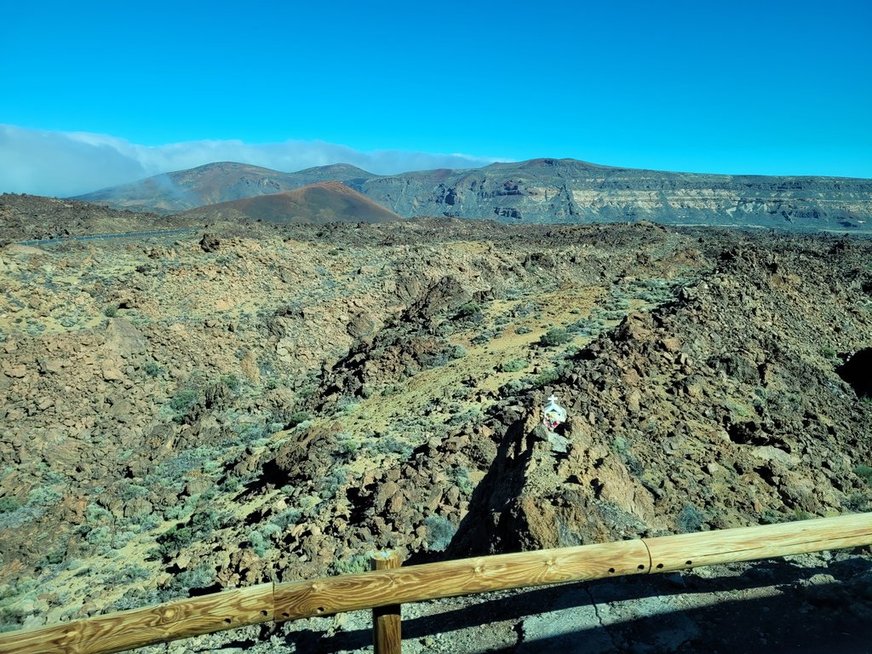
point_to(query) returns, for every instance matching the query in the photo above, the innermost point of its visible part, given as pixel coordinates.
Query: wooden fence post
(386, 630)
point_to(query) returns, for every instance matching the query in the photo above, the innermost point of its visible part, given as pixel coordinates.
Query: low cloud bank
(71, 163)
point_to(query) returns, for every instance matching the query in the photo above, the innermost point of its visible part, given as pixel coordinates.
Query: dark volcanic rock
(210, 243)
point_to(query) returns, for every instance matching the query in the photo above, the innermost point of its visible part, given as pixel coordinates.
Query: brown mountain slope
(320, 203)
(217, 182)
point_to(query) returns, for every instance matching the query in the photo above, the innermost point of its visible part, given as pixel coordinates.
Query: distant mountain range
(535, 191)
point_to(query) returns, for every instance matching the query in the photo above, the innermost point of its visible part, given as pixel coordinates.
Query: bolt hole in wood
(228, 620)
(264, 613)
(611, 571)
(688, 563)
(641, 566)
(285, 614)
(659, 566)
(320, 609)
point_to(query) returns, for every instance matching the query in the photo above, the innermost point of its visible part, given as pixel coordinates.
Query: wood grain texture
(289, 601)
(669, 553)
(462, 577)
(386, 626)
(116, 632)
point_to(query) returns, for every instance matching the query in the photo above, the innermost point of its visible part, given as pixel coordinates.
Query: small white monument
(553, 414)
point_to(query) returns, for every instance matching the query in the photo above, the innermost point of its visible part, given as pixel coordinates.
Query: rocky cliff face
(569, 191)
(538, 191)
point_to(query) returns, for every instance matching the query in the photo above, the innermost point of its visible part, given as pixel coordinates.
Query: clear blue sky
(735, 86)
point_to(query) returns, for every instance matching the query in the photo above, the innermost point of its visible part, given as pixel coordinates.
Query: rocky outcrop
(691, 417)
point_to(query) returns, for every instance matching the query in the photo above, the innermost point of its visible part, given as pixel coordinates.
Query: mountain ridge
(544, 190)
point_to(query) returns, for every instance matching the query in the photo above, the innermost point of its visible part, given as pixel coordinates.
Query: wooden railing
(379, 588)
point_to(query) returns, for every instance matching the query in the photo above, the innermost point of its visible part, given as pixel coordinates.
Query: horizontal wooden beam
(461, 577)
(116, 632)
(527, 569)
(293, 600)
(682, 551)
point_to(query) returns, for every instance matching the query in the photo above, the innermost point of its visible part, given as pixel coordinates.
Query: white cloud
(71, 163)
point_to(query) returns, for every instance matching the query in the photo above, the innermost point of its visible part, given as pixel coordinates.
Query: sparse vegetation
(690, 519)
(8, 504)
(468, 310)
(440, 531)
(864, 472)
(555, 336)
(297, 418)
(182, 401)
(513, 365)
(303, 406)
(181, 584)
(353, 564)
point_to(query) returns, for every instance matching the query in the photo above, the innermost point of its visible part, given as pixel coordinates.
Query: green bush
(258, 543)
(97, 515)
(129, 491)
(99, 536)
(287, 518)
(391, 445)
(440, 531)
(8, 504)
(545, 377)
(333, 482)
(44, 496)
(482, 338)
(471, 416)
(461, 479)
(555, 336)
(691, 519)
(126, 575)
(458, 352)
(346, 404)
(56, 556)
(182, 401)
(152, 369)
(857, 502)
(172, 541)
(352, 565)
(231, 381)
(514, 365)
(201, 577)
(864, 472)
(347, 445)
(468, 310)
(297, 418)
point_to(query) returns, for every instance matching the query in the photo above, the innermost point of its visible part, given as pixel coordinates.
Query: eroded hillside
(186, 413)
(536, 191)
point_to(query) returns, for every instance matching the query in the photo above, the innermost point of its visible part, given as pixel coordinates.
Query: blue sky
(102, 91)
